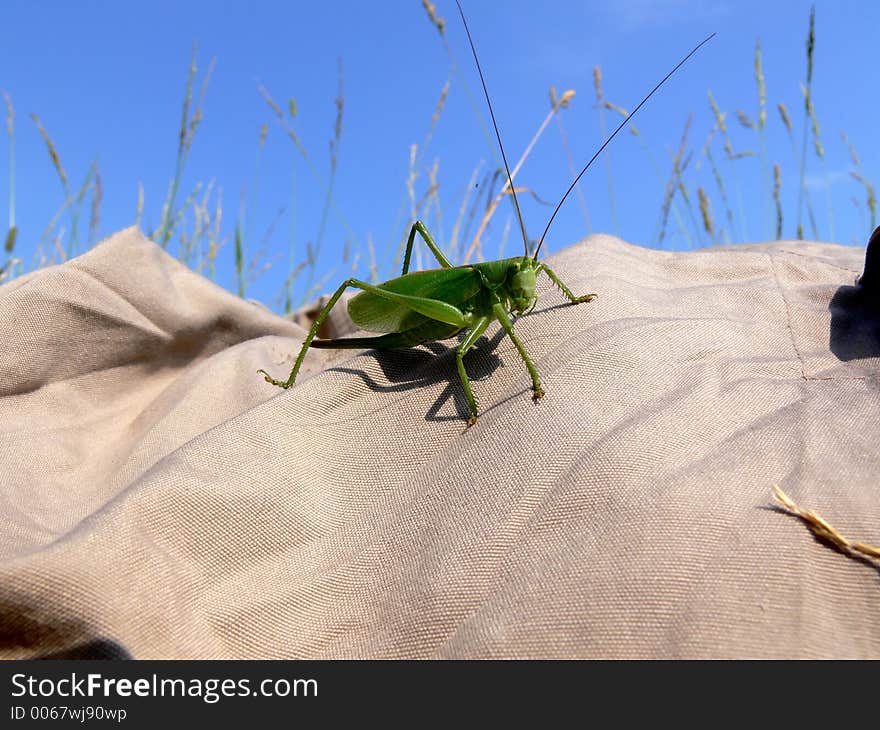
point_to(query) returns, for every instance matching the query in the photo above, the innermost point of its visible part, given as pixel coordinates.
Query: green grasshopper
(438, 304)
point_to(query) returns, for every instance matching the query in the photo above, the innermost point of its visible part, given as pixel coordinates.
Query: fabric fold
(160, 500)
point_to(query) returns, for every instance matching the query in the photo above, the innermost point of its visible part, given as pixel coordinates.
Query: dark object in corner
(855, 312)
(871, 277)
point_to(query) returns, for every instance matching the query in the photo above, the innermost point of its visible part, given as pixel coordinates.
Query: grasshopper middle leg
(467, 343)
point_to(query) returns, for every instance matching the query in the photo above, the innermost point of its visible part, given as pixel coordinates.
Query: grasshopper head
(521, 285)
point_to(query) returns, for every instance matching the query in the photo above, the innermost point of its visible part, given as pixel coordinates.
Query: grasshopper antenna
(522, 225)
(613, 135)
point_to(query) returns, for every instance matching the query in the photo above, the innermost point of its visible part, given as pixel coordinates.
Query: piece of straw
(823, 531)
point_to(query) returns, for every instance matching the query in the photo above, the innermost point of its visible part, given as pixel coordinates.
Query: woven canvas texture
(158, 499)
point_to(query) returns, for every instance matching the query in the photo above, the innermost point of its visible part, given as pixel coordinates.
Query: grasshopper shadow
(434, 362)
(553, 308)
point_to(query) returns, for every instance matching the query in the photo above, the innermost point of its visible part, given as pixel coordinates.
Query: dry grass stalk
(189, 124)
(47, 232)
(282, 120)
(706, 212)
(762, 122)
(853, 155)
(814, 120)
(191, 247)
(371, 250)
(719, 182)
(339, 102)
(721, 122)
(214, 241)
(433, 196)
(681, 186)
(438, 22)
(315, 289)
(416, 153)
(777, 185)
(505, 189)
(84, 188)
(74, 202)
(261, 262)
(435, 118)
(762, 87)
(504, 236)
(609, 177)
(597, 83)
(139, 210)
(441, 102)
(563, 101)
(730, 155)
(239, 261)
(9, 243)
(811, 43)
(53, 152)
(871, 199)
(786, 120)
(7, 270)
(326, 186)
(97, 198)
(614, 108)
(824, 531)
(65, 186)
(859, 175)
(744, 119)
(12, 232)
(554, 102)
(462, 209)
(59, 249)
(284, 299)
(673, 182)
(10, 115)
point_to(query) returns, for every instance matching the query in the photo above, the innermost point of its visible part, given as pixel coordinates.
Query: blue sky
(107, 81)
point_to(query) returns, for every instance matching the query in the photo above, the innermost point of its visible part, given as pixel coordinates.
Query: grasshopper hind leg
(313, 332)
(419, 227)
(444, 314)
(319, 320)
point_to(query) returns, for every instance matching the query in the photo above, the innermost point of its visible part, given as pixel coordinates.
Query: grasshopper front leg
(501, 315)
(565, 290)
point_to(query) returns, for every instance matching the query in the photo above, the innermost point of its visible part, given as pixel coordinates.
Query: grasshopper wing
(455, 286)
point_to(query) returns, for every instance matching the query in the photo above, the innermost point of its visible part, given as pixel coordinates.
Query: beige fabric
(158, 499)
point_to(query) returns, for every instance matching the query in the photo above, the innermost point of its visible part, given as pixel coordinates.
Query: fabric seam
(787, 316)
